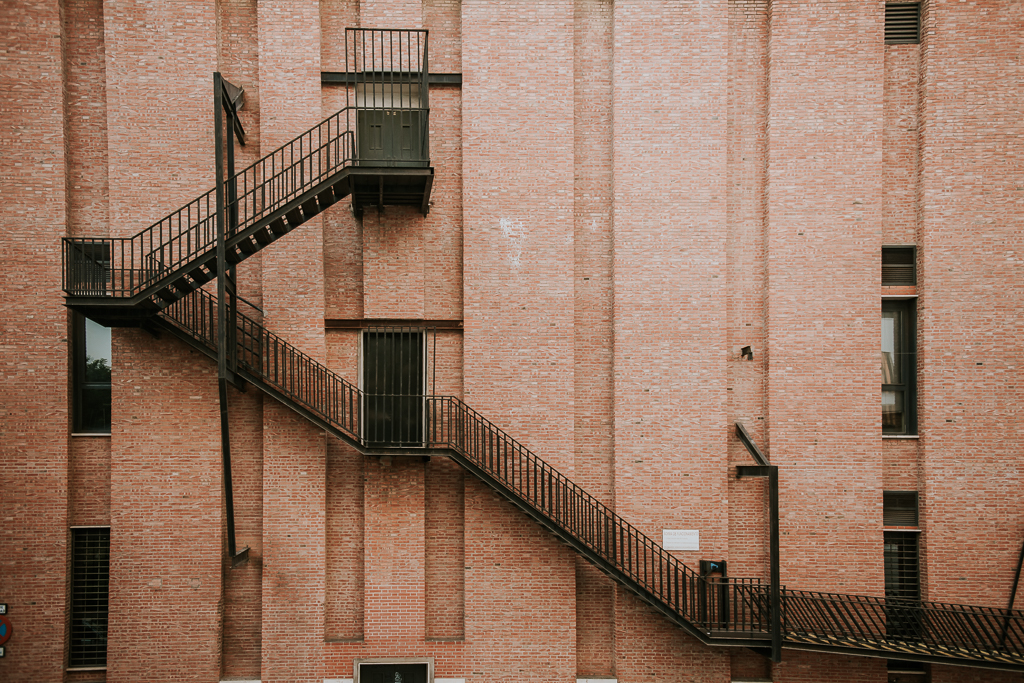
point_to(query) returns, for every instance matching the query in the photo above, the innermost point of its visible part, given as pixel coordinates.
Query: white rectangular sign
(680, 539)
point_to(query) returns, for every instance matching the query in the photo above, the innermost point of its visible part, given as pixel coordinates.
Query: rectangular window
(902, 566)
(899, 367)
(899, 508)
(90, 582)
(91, 363)
(902, 575)
(393, 382)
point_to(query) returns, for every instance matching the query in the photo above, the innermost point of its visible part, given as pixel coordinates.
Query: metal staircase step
(279, 227)
(263, 236)
(310, 208)
(295, 218)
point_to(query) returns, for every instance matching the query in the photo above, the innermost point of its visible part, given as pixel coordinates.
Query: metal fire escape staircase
(156, 279)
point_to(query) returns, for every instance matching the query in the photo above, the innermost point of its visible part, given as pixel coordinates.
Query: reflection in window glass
(92, 376)
(898, 365)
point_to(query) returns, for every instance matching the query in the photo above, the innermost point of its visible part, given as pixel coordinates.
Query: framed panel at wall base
(393, 672)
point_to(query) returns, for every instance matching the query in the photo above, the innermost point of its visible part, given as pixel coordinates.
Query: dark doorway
(394, 377)
(393, 673)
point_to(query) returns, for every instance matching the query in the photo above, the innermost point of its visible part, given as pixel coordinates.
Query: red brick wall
(647, 190)
(971, 292)
(294, 462)
(745, 264)
(519, 347)
(825, 207)
(592, 315)
(89, 481)
(86, 118)
(165, 513)
(33, 363)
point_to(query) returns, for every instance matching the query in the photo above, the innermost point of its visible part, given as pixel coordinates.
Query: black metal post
(222, 320)
(1013, 596)
(773, 559)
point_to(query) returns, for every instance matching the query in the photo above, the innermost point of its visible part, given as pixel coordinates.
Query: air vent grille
(898, 267)
(902, 22)
(899, 508)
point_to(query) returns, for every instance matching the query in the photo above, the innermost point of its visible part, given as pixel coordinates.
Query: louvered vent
(899, 508)
(898, 266)
(902, 22)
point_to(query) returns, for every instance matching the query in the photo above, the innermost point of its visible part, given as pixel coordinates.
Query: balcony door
(389, 125)
(393, 381)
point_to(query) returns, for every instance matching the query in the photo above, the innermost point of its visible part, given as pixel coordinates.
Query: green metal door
(390, 137)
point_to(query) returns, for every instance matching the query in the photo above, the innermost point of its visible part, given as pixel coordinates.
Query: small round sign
(5, 629)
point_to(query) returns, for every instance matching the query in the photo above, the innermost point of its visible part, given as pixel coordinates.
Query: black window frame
(91, 399)
(906, 382)
(89, 593)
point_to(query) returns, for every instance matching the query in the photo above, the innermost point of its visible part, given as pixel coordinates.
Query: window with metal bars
(898, 267)
(90, 583)
(902, 571)
(394, 383)
(902, 22)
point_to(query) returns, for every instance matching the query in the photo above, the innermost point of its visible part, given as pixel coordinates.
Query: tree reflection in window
(92, 362)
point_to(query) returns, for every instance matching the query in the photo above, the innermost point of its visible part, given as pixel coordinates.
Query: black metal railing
(385, 123)
(718, 608)
(737, 605)
(957, 631)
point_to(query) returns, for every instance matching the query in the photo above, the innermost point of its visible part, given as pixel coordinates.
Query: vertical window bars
(394, 383)
(391, 96)
(90, 582)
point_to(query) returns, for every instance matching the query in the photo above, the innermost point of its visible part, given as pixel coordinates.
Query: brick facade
(626, 194)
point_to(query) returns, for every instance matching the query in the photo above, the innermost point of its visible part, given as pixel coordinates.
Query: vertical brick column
(517, 114)
(294, 460)
(824, 243)
(394, 244)
(165, 481)
(745, 256)
(166, 499)
(394, 531)
(33, 365)
(593, 427)
(971, 287)
(669, 212)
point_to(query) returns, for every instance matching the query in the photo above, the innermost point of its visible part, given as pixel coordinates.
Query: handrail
(124, 267)
(969, 630)
(724, 609)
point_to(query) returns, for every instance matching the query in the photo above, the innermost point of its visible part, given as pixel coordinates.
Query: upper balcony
(376, 150)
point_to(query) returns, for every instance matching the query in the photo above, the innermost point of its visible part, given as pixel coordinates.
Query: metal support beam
(225, 345)
(765, 469)
(1013, 596)
(773, 554)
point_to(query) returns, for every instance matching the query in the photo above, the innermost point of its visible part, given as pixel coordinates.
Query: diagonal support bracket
(764, 468)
